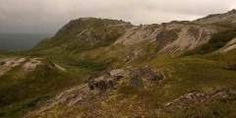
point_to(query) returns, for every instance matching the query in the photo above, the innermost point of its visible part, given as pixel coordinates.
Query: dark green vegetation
(217, 41)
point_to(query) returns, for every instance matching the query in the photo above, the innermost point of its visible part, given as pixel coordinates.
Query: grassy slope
(20, 91)
(203, 73)
(185, 74)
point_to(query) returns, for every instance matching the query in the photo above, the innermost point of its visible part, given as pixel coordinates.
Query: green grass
(216, 109)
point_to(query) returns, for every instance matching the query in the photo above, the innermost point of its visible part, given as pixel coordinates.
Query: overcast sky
(47, 16)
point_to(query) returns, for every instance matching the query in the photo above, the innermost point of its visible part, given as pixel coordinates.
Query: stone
(117, 72)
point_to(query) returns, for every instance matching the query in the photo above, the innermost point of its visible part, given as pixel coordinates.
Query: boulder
(118, 73)
(2, 63)
(101, 83)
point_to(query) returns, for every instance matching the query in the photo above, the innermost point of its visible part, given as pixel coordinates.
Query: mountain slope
(226, 19)
(86, 33)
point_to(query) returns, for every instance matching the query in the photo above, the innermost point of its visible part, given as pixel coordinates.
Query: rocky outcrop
(102, 83)
(32, 63)
(9, 64)
(107, 81)
(25, 64)
(193, 98)
(226, 19)
(138, 77)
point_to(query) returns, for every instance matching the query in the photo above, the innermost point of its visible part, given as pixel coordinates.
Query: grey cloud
(47, 16)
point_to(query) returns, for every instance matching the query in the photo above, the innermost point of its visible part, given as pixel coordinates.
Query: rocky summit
(106, 68)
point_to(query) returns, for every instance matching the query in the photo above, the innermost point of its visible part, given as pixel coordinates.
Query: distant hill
(84, 36)
(19, 42)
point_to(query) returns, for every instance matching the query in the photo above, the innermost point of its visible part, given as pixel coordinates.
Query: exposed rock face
(167, 36)
(139, 34)
(189, 37)
(229, 46)
(172, 38)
